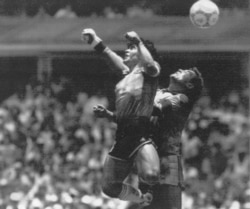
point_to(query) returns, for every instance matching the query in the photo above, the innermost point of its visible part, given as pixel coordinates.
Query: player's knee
(111, 189)
(151, 176)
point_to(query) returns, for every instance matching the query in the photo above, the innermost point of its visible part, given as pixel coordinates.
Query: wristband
(96, 40)
(100, 47)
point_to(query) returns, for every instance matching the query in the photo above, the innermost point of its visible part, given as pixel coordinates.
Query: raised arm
(151, 67)
(115, 61)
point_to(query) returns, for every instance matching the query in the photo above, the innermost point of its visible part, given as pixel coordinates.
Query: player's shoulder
(182, 98)
(179, 101)
(164, 93)
(176, 99)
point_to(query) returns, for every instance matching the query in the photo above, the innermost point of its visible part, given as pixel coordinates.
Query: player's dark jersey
(175, 109)
(174, 113)
(135, 95)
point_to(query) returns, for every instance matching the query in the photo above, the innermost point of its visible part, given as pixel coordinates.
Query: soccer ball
(204, 13)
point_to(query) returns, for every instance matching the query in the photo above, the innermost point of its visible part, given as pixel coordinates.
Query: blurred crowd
(216, 153)
(108, 8)
(52, 150)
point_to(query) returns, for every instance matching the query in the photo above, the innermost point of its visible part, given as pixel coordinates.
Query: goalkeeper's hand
(89, 36)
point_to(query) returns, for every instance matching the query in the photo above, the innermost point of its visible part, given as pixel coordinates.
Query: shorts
(131, 135)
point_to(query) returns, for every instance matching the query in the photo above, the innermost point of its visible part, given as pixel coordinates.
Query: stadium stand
(51, 145)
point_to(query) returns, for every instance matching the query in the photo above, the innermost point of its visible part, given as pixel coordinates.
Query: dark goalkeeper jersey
(175, 110)
(135, 95)
(172, 113)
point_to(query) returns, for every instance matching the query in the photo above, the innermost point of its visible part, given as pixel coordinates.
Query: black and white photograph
(121, 104)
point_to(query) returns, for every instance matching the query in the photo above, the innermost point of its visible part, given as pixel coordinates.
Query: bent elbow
(153, 69)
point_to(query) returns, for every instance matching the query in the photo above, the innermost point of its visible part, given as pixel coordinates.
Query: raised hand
(133, 37)
(89, 36)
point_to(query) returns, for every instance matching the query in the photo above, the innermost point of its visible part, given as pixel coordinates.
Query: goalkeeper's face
(131, 55)
(182, 77)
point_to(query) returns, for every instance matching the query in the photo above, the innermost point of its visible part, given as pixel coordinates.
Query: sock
(130, 193)
(145, 187)
(100, 47)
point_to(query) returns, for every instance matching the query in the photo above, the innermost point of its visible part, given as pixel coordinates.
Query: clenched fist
(133, 37)
(89, 36)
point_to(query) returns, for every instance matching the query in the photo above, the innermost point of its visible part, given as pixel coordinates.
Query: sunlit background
(51, 145)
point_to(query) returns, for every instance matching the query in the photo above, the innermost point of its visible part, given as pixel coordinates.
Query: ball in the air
(204, 13)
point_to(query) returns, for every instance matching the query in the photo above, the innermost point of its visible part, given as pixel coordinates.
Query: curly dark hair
(151, 48)
(198, 82)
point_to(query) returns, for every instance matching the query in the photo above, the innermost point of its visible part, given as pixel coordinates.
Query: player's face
(131, 54)
(183, 76)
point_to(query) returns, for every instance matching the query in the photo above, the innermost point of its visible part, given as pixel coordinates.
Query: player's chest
(130, 82)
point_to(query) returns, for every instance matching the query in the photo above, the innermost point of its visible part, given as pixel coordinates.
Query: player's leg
(166, 197)
(147, 164)
(115, 172)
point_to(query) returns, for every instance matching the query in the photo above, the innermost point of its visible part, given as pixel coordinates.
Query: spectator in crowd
(134, 105)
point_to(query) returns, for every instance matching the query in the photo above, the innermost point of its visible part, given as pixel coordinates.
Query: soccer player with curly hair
(135, 94)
